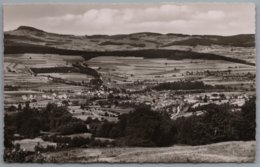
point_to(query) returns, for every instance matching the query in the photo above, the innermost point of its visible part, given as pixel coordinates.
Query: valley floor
(237, 151)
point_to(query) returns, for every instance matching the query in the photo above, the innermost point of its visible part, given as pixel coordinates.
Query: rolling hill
(144, 44)
(142, 40)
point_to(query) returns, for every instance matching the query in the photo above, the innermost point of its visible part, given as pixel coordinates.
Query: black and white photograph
(129, 83)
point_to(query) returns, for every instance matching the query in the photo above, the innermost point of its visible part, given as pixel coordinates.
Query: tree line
(76, 68)
(185, 85)
(15, 48)
(144, 127)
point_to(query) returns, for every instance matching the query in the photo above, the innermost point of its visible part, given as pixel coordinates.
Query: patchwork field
(131, 69)
(120, 69)
(117, 71)
(17, 67)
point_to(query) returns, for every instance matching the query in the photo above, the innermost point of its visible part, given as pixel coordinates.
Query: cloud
(223, 19)
(210, 15)
(127, 15)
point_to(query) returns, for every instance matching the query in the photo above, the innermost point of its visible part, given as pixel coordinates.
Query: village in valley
(123, 83)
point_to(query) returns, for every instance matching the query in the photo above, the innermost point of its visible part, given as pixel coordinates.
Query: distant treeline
(243, 40)
(185, 85)
(76, 68)
(146, 53)
(121, 43)
(53, 70)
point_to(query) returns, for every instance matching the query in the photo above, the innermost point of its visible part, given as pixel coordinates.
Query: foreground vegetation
(149, 128)
(141, 127)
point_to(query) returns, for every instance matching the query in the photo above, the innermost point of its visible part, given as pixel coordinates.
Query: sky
(89, 19)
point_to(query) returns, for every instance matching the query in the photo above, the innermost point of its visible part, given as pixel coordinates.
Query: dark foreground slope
(220, 152)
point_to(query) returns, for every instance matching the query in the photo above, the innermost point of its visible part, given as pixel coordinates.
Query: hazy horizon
(110, 19)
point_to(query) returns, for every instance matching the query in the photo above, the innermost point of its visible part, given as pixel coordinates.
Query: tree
(110, 96)
(27, 105)
(249, 120)
(65, 102)
(31, 127)
(144, 127)
(73, 127)
(88, 120)
(19, 107)
(96, 81)
(116, 103)
(12, 108)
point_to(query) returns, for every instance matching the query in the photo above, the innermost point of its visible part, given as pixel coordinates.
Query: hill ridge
(31, 28)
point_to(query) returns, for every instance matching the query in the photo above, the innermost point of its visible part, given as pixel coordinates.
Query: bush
(73, 127)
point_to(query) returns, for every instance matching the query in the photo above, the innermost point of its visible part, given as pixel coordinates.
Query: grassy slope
(220, 152)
